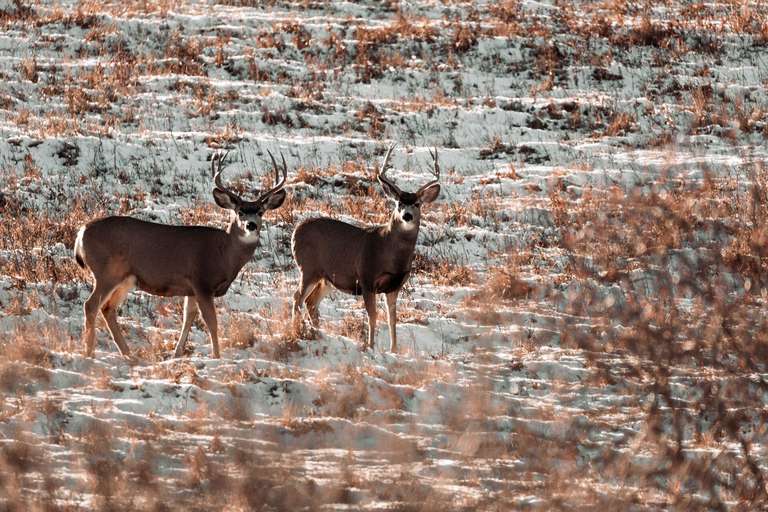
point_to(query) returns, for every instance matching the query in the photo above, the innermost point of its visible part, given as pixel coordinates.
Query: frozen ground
(118, 107)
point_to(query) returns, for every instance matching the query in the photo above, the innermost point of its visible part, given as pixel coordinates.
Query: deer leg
(307, 286)
(392, 319)
(313, 302)
(99, 295)
(190, 303)
(208, 310)
(109, 312)
(370, 306)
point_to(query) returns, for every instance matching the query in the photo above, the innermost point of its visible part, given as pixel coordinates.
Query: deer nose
(407, 217)
(251, 226)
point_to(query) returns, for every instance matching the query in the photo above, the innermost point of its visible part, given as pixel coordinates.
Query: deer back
(330, 249)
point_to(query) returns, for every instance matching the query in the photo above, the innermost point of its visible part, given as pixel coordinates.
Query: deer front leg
(392, 319)
(190, 303)
(370, 306)
(208, 311)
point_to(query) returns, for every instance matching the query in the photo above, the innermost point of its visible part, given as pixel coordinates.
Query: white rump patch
(79, 241)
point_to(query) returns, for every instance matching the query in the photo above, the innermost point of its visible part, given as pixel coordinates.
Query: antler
(281, 182)
(385, 166)
(435, 172)
(217, 172)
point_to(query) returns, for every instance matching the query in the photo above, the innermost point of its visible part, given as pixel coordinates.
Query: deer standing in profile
(362, 260)
(196, 262)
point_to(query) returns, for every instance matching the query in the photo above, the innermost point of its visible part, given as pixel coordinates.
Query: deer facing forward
(362, 260)
(196, 262)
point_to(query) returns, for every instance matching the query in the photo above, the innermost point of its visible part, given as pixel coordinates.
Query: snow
(476, 384)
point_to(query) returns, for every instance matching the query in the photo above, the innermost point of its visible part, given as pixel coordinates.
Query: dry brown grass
(241, 331)
(621, 124)
(372, 116)
(646, 227)
(606, 237)
(352, 326)
(679, 243)
(27, 234)
(183, 55)
(29, 69)
(444, 271)
(505, 283)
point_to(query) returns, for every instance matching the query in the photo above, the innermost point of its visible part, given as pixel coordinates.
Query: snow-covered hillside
(583, 327)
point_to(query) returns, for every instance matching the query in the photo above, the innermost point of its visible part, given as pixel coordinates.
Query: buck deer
(196, 262)
(362, 260)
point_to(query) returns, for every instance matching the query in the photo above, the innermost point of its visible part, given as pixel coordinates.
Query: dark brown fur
(200, 259)
(361, 260)
(196, 262)
(379, 257)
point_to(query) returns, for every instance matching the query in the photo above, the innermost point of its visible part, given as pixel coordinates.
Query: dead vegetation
(27, 236)
(687, 263)
(662, 287)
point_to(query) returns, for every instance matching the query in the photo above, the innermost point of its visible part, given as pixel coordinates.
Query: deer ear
(224, 200)
(275, 200)
(430, 193)
(390, 190)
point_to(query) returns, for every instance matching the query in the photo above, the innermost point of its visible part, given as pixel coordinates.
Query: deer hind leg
(306, 287)
(392, 319)
(370, 306)
(190, 312)
(109, 312)
(100, 294)
(208, 311)
(313, 301)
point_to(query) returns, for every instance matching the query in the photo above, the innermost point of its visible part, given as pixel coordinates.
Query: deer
(363, 261)
(196, 262)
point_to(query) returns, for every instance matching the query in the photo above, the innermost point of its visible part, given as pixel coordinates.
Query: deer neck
(404, 237)
(241, 247)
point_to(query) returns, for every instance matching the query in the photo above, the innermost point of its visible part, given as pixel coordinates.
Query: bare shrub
(242, 331)
(26, 233)
(184, 55)
(621, 124)
(444, 271)
(29, 69)
(687, 260)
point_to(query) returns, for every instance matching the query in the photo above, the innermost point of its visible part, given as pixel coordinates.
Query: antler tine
(274, 164)
(385, 166)
(281, 183)
(437, 164)
(435, 172)
(285, 168)
(217, 170)
(385, 163)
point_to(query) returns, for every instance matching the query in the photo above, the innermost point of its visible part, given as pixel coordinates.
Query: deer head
(407, 212)
(246, 215)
